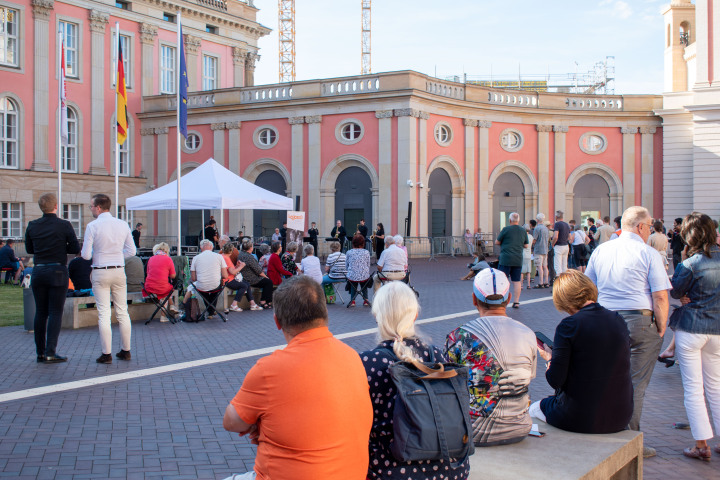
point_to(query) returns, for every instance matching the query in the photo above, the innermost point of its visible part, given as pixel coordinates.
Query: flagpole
(177, 91)
(59, 121)
(116, 44)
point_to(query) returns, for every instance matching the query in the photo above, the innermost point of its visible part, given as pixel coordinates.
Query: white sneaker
(163, 319)
(174, 309)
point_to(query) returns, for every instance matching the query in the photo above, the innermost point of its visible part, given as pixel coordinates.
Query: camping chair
(335, 282)
(208, 301)
(358, 286)
(406, 280)
(160, 303)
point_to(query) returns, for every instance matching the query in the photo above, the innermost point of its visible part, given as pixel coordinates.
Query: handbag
(329, 293)
(431, 416)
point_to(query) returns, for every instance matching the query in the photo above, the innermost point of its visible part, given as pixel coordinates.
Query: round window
(265, 136)
(511, 140)
(192, 142)
(351, 131)
(593, 143)
(443, 134)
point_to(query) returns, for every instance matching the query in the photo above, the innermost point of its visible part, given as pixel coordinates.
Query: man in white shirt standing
(108, 241)
(631, 280)
(392, 263)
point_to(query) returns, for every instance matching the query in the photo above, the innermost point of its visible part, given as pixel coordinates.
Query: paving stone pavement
(169, 425)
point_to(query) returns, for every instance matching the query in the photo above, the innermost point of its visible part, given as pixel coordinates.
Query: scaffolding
(286, 37)
(600, 79)
(365, 67)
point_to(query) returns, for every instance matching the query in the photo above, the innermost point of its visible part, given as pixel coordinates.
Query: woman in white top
(580, 248)
(310, 265)
(527, 260)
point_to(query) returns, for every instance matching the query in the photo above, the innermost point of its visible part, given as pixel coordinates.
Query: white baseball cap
(488, 282)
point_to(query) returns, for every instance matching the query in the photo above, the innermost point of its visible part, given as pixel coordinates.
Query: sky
(477, 38)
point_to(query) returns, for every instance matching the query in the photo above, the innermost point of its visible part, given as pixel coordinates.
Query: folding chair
(406, 280)
(160, 303)
(359, 287)
(208, 301)
(335, 283)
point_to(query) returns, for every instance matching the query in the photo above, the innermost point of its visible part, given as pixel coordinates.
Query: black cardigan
(590, 371)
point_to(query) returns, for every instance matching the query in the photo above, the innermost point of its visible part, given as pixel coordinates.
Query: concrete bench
(561, 454)
(76, 317)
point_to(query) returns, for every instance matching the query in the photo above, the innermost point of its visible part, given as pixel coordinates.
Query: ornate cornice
(148, 33)
(238, 56)
(313, 119)
(217, 126)
(162, 131)
(560, 128)
(544, 128)
(383, 114)
(250, 59)
(233, 125)
(423, 115)
(469, 122)
(147, 131)
(98, 21)
(407, 112)
(192, 44)
(648, 130)
(296, 120)
(41, 9)
(484, 123)
(628, 130)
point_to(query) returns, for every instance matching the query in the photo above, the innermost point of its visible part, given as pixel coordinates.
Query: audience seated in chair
(134, 273)
(207, 271)
(235, 280)
(357, 261)
(392, 263)
(12, 265)
(254, 275)
(79, 270)
(335, 268)
(160, 270)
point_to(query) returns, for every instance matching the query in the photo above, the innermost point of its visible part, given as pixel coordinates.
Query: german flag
(121, 114)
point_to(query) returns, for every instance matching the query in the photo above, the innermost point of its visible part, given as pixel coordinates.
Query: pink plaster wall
(367, 147)
(282, 151)
(657, 210)
(456, 149)
(225, 64)
(638, 170)
(611, 157)
(528, 154)
(206, 150)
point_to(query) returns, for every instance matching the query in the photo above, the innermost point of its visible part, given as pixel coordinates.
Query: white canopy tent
(210, 186)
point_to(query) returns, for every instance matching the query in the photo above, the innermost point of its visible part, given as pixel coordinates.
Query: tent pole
(222, 221)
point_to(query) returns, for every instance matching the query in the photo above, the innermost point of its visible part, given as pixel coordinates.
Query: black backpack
(431, 416)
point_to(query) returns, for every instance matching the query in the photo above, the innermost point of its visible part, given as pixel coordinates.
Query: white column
(648, 164)
(41, 11)
(702, 23)
(148, 34)
(407, 164)
(458, 195)
(192, 46)
(218, 130)
(422, 208)
(384, 167)
(327, 212)
(470, 131)
(560, 176)
(570, 206)
(296, 172)
(164, 218)
(234, 146)
(484, 197)
(628, 166)
(250, 59)
(314, 156)
(239, 55)
(100, 123)
(544, 169)
(147, 154)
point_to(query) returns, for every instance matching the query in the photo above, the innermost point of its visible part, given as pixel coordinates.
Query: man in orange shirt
(307, 406)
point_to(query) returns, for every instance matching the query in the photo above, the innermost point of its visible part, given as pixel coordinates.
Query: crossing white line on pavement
(146, 372)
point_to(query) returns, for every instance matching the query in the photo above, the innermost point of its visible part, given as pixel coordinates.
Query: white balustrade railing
(586, 103)
(350, 87)
(266, 94)
(445, 89)
(513, 99)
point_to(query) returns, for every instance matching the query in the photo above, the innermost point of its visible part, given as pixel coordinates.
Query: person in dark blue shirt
(9, 260)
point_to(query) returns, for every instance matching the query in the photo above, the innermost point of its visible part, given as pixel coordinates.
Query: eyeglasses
(649, 225)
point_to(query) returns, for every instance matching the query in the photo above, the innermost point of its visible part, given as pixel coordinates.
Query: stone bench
(565, 455)
(76, 317)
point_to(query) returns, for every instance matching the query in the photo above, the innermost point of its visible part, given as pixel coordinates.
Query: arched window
(8, 133)
(685, 34)
(69, 152)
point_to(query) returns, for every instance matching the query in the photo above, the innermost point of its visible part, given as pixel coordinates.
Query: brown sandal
(699, 453)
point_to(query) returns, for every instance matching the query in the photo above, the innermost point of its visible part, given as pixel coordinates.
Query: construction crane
(286, 37)
(365, 67)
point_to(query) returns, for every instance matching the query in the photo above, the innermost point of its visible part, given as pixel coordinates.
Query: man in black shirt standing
(50, 239)
(339, 233)
(211, 233)
(136, 234)
(283, 236)
(313, 234)
(677, 244)
(363, 229)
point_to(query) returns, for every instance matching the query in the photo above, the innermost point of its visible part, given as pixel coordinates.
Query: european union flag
(183, 85)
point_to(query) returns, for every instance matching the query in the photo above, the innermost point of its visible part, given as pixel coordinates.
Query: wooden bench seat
(76, 317)
(562, 455)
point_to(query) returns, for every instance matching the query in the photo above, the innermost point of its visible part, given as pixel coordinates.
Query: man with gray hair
(392, 263)
(512, 240)
(208, 270)
(631, 280)
(540, 250)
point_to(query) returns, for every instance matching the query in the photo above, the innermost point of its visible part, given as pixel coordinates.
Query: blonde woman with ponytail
(395, 308)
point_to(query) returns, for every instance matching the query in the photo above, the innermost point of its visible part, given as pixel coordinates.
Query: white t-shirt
(393, 259)
(311, 267)
(208, 268)
(579, 237)
(527, 249)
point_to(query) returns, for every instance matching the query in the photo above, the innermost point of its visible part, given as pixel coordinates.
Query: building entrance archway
(508, 197)
(266, 221)
(440, 204)
(591, 198)
(353, 198)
